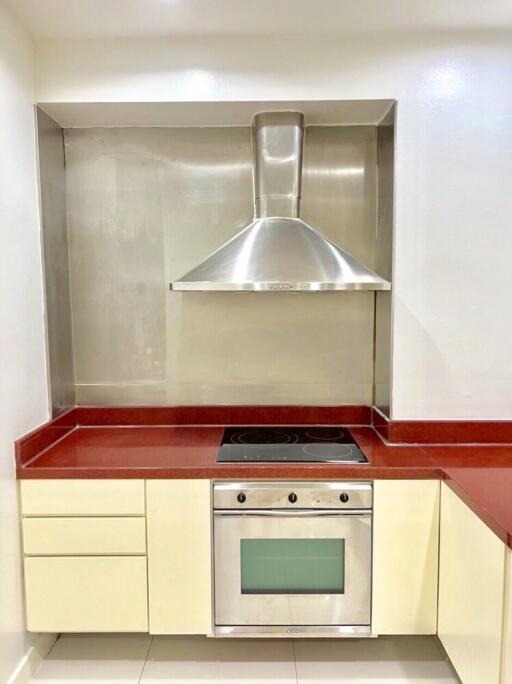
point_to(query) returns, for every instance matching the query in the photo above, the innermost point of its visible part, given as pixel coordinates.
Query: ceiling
(142, 18)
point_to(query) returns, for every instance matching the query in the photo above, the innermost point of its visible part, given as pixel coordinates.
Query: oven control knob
(292, 498)
(241, 498)
(343, 497)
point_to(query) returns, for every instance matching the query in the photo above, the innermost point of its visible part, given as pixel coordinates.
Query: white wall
(452, 324)
(23, 390)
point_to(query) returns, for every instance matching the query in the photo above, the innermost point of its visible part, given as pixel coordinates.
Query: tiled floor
(95, 659)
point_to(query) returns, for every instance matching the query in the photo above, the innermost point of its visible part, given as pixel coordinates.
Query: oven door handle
(299, 513)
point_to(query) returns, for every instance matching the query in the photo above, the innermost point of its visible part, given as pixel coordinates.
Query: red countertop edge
(442, 431)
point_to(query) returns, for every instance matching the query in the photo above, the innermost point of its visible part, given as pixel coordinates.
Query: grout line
(295, 662)
(145, 660)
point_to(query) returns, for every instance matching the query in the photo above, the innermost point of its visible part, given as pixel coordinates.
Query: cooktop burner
(258, 436)
(292, 444)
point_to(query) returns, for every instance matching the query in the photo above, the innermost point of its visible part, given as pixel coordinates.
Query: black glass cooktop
(292, 444)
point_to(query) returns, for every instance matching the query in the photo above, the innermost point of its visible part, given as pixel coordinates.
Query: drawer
(86, 594)
(82, 497)
(82, 536)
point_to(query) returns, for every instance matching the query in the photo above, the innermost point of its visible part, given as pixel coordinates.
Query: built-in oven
(292, 558)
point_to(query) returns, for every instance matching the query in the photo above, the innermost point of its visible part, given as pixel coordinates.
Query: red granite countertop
(191, 452)
(480, 474)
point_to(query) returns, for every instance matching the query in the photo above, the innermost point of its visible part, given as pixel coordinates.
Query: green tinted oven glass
(293, 566)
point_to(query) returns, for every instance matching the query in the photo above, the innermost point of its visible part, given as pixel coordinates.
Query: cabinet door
(405, 556)
(86, 594)
(179, 556)
(471, 584)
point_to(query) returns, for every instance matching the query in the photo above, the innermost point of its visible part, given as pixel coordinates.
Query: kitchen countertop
(480, 474)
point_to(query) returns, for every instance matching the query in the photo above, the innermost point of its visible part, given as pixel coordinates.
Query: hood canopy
(278, 251)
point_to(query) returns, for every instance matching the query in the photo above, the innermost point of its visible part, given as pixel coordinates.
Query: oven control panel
(263, 495)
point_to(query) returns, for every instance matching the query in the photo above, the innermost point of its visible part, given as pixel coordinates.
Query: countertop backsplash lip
(392, 433)
(356, 414)
(40, 438)
(442, 432)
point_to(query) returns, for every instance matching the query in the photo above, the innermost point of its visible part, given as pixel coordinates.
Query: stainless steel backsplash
(146, 204)
(54, 239)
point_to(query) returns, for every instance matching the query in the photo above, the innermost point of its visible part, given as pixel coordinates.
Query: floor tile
(391, 660)
(199, 660)
(95, 659)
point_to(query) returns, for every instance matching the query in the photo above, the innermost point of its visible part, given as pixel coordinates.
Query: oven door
(301, 567)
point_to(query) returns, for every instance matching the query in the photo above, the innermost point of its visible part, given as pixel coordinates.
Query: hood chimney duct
(278, 144)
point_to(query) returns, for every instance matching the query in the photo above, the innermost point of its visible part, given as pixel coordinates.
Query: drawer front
(82, 497)
(86, 594)
(82, 536)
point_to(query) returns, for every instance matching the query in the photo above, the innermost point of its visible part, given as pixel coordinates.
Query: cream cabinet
(136, 556)
(405, 556)
(85, 565)
(471, 591)
(179, 555)
(507, 626)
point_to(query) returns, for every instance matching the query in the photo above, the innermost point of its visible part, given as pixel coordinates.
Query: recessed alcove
(135, 194)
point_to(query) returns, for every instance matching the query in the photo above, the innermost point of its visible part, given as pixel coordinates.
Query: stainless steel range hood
(278, 251)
